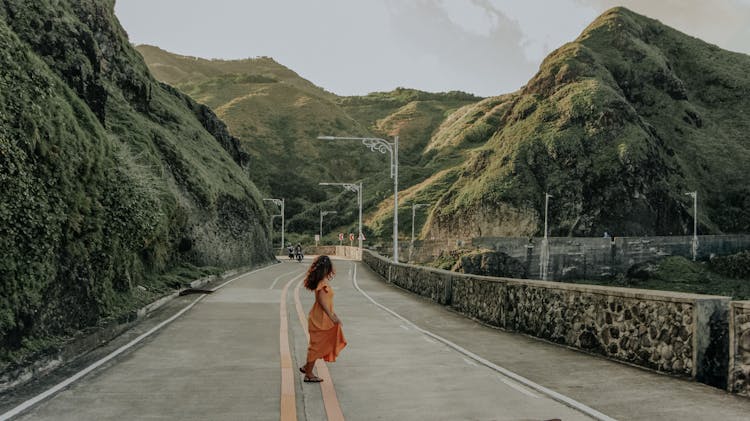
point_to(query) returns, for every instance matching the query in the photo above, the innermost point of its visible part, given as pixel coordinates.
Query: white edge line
(504, 371)
(51, 391)
(72, 379)
(242, 275)
(519, 388)
(470, 362)
(279, 277)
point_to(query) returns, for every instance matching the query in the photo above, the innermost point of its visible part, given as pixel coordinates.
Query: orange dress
(326, 337)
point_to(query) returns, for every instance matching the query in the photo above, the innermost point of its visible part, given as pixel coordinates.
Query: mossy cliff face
(617, 126)
(109, 178)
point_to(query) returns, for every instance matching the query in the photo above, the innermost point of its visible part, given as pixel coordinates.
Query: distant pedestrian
(606, 234)
(326, 336)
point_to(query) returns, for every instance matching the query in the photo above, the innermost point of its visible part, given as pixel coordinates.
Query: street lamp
(280, 203)
(322, 214)
(544, 255)
(414, 207)
(382, 146)
(694, 195)
(357, 188)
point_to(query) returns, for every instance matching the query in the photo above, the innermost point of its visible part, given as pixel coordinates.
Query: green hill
(115, 187)
(617, 126)
(277, 115)
(192, 72)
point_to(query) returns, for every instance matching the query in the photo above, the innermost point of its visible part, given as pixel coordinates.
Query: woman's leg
(309, 368)
(309, 374)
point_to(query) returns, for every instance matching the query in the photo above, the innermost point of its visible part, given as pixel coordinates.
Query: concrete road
(233, 356)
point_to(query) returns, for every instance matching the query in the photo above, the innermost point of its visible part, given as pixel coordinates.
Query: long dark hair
(321, 268)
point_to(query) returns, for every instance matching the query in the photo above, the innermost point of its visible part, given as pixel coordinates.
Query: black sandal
(314, 379)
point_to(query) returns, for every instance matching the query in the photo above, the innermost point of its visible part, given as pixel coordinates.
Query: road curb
(80, 346)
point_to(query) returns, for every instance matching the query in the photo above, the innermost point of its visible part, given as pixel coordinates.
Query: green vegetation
(734, 266)
(616, 125)
(683, 275)
(115, 188)
(448, 261)
(277, 115)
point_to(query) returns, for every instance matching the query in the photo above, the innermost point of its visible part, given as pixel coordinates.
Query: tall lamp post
(382, 146)
(280, 203)
(544, 258)
(694, 245)
(414, 207)
(357, 188)
(322, 214)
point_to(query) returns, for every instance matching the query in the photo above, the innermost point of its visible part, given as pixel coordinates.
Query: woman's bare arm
(331, 314)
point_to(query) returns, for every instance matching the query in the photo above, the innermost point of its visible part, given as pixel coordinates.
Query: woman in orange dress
(324, 326)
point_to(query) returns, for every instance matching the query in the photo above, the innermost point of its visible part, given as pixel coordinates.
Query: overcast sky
(486, 47)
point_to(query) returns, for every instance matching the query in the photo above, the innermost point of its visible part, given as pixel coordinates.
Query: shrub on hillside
(733, 266)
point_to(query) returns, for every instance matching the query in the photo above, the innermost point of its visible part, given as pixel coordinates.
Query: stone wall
(675, 333)
(342, 251)
(378, 263)
(348, 252)
(318, 250)
(739, 348)
(584, 258)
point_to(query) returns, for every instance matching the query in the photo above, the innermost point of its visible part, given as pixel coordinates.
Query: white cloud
(480, 52)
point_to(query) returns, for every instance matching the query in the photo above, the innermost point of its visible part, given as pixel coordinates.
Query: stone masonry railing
(341, 251)
(349, 252)
(739, 348)
(318, 250)
(675, 333)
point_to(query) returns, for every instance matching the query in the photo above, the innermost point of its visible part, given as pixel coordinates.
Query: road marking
(428, 339)
(404, 327)
(327, 389)
(504, 371)
(470, 362)
(518, 388)
(288, 409)
(279, 277)
(241, 276)
(72, 379)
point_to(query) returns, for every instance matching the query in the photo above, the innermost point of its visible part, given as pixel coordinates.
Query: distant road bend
(233, 355)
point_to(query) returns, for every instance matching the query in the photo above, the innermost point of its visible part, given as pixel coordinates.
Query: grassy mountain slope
(617, 126)
(192, 73)
(110, 180)
(277, 115)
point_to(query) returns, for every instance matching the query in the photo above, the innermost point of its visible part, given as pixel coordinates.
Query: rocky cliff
(110, 180)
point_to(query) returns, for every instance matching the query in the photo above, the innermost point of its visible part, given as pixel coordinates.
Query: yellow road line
(288, 402)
